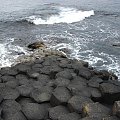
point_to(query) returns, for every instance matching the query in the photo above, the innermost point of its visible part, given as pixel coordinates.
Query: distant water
(83, 29)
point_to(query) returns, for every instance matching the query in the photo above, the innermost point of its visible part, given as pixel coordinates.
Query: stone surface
(110, 92)
(95, 110)
(34, 111)
(40, 96)
(64, 74)
(116, 108)
(61, 95)
(9, 93)
(56, 112)
(76, 102)
(70, 116)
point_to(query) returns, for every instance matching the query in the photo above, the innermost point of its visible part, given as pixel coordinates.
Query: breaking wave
(66, 15)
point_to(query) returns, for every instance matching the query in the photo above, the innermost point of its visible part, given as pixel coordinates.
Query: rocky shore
(57, 88)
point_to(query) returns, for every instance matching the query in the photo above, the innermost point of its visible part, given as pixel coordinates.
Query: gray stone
(12, 84)
(40, 96)
(70, 116)
(9, 93)
(95, 110)
(110, 118)
(64, 74)
(76, 102)
(7, 78)
(110, 92)
(56, 112)
(61, 95)
(10, 105)
(14, 116)
(34, 111)
(25, 90)
(62, 82)
(116, 108)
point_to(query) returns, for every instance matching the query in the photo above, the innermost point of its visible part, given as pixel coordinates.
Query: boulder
(62, 81)
(76, 102)
(14, 116)
(37, 45)
(95, 110)
(12, 84)
(64, 74)
(61, 95)
(9, 93)
(56, 112)
(116, 108)
(70, 116)
(40, 96)
(110, 92)
(34, 111)
(7, 78)
(25, 90)
(10, 105)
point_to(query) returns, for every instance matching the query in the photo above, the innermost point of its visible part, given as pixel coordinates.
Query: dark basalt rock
(76, 102)
(14, 116)
(7, 78)
(36, 45)
(61, 95)
(56, 112)
(116, 108)
(34, 111)
(10, 106)
(25, 90)
(9, 93)
(40, 96)
(95, 110)
(58, 88)
(70, 116)
(110, 92)
(62, 81)
(64, 74)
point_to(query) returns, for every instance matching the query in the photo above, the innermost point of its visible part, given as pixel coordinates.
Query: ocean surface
(83, 29)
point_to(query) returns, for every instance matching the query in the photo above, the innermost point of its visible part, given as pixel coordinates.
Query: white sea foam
(66, 15)
(9, 52)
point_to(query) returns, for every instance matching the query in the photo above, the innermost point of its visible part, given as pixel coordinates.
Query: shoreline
(57, 88)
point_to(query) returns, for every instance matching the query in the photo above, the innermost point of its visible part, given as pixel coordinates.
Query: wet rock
(36, 67)
(56, 112)
(61, 95)
(85, 73)
(70, 116)
(91, 118)
(25, 90)
(9, 93)
(110, 92)
(40, 96)
(76, 102)
(14, 116)
(62, 81)
(37, 45)
(95, 110)
(64, 74)
(116, 108)
(34, 111)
